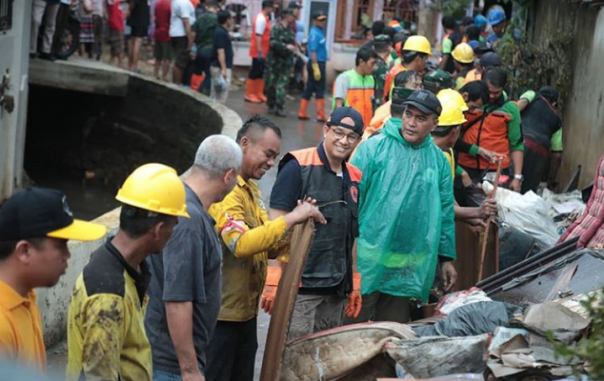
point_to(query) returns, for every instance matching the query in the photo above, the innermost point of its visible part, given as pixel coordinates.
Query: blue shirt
(492, 38)
(317, 43)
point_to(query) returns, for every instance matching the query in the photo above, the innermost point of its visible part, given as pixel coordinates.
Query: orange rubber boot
(320, 105)
(251, 86)
(260, 90)
(302, 112)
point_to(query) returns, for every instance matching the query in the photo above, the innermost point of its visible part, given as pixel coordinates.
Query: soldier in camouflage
(382, 46)
(280, 62)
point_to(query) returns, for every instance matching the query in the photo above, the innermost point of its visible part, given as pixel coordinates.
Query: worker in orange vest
(261, 32)
(415, 54)
(355, 87)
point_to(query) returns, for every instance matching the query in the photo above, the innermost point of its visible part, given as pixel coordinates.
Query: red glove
(354, 298)
(267, 302)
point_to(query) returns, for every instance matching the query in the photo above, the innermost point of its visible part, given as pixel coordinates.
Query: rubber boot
(260, 90)
(251, 86)
(302, 112)
(320, 105)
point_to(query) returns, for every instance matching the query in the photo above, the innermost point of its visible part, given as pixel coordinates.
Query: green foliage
(590, 350)
(452, 7)
(531, 65)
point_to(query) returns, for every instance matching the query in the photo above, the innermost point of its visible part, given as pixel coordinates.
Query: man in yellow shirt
(249, 239)
(106, 335)
(35, 225)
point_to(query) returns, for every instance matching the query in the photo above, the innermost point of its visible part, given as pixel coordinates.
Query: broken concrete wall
(584, 110)
(170, 120)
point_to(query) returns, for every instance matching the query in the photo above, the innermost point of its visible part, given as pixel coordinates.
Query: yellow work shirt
(21, 328)
(451, 159)
(106, 335)
(248, 236)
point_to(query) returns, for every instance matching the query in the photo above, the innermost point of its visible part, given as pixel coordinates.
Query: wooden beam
(272, 362)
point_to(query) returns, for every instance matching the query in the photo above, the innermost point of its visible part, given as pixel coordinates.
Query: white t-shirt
(181, 9)
(260, 24)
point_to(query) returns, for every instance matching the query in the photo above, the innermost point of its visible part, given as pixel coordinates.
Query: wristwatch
(519, 177)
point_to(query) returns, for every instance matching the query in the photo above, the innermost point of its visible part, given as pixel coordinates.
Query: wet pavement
(297, 134)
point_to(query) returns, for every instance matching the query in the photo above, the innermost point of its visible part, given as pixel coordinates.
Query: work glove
(354, 298)
(267, 302)
(316, 71)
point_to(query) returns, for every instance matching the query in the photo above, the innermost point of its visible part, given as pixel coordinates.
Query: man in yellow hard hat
(35, 225)
(445, 136)
(416, 51)
(463, 57)
(105, 329)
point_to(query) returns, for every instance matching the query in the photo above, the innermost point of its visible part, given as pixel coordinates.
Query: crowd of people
(175, 293)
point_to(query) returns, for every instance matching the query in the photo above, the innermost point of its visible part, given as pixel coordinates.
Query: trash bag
(527, 212)
(429, 357)
(469, 320)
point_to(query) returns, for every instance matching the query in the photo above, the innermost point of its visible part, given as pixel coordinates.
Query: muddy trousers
(314, 313)
(378, 306)
(232, 351)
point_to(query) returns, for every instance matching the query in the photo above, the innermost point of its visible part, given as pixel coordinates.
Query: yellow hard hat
(455, 96)
(451, 114)
(418, 44)
(155, 187)
(463, 53)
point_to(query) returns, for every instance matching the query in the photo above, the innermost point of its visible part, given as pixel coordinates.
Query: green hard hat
(400, 94)
(438, 80)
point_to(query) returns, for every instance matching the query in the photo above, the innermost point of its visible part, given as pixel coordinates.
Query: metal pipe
(496, 278)
(530, 267)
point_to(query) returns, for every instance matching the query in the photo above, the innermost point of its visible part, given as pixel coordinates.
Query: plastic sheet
(527, 212)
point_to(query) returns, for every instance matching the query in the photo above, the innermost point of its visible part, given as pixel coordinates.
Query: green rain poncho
(406, 213)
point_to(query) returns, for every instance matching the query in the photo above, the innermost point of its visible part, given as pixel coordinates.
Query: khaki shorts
(163, 51)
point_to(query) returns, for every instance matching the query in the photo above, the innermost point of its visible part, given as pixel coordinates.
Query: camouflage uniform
(379, 78)
(279, 65)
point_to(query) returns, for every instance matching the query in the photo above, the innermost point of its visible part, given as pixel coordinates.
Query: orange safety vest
(266, 37)
(473, 75)
(360, 94)
(389, 84)
(489, 132)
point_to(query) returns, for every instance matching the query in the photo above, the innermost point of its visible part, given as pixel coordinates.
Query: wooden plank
(562, 282)
(272, 362)
(485, 236)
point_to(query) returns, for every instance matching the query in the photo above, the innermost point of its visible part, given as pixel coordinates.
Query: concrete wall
(180, 117)
(584, 110)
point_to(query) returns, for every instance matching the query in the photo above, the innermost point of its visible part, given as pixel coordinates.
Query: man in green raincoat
(406, 211)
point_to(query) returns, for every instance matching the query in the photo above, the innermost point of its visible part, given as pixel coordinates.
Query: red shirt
(162, 21)
(116, 17)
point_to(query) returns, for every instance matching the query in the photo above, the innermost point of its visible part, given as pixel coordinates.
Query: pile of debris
(510, 330)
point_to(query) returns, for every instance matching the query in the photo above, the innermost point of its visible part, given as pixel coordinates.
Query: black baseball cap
(346, 112)
(319, 15)
(490, 59)
(287, 12)
(294, 5)
(41, 212)
(400, 95)
(425, 101)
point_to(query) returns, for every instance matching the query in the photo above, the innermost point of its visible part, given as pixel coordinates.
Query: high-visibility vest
(489, 132)
(360, 94)
(389, 84)
(473, 75)
(266, 36)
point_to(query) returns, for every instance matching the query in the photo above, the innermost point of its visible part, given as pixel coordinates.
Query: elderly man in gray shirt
(185, 288)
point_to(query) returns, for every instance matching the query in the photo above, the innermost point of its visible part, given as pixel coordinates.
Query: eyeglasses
(350, 138)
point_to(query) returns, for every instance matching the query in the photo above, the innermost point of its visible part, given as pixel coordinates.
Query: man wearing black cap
(542, 130)
(323, 173)
(406, 211)
(35, 225)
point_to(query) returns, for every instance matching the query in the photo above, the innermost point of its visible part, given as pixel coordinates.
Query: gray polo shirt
(188, 270)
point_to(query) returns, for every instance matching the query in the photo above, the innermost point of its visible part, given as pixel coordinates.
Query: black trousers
(61, 24)
(257, 70)
(232, 351)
